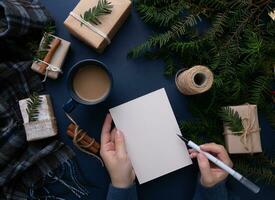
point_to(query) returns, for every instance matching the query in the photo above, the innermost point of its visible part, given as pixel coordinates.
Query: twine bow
(248, 129)
(49, 67)
(78, 136)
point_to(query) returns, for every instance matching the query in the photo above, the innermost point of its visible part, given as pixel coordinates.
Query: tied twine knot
(50, 67)
(78, 136)
(248, 129)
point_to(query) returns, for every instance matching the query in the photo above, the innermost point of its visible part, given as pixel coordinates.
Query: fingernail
(118, 133)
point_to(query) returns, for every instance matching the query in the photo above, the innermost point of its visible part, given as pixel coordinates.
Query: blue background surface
(132, 78)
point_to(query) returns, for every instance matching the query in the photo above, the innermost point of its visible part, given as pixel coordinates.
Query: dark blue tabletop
(132, 78)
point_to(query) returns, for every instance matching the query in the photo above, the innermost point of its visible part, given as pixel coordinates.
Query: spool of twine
(195, 80)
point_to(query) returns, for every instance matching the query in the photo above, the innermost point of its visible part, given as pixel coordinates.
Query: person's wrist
(211, 183)
(207, 184)
(121, 183)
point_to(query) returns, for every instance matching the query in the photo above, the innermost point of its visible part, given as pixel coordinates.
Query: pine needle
(33, 104)
(92, 15)
(232, 119)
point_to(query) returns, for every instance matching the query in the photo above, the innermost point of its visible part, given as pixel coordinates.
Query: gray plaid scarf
(25, 167)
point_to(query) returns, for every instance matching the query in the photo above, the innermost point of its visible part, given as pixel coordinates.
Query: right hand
(114, 154)
(210, 173)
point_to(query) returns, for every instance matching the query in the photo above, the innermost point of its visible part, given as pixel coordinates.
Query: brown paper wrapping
(234, 143)
(110, 23)
(45, 126)
(57, 59)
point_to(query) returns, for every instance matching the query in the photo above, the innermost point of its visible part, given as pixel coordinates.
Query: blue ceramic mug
(87, 77)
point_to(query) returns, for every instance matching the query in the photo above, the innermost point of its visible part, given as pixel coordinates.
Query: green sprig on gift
(103, 7)
(232, 119)
(44, 47)
(33, 104)
(39, 52)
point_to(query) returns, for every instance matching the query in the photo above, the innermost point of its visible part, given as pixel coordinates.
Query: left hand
(114, 154)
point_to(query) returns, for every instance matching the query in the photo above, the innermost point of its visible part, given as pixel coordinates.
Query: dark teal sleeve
(129, 193)
(217, 192)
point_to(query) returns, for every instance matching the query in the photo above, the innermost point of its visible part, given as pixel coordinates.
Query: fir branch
(218, 26)
(217, 4)
(44, 47)
(162, 39)
(49, 28)
(35, 45)
(162, 17)
(192, 129)
(33, 104)
(185, 46)
(92, 15)
(232, 119)
(259, 166)
(253, 44)
(259, 90)
(171, 67)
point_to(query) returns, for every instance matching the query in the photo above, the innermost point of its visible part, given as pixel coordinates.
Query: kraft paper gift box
(45, 126)
(56, 61)
(97, 36)
(248, 141)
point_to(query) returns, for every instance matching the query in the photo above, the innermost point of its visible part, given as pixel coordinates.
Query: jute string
(78, 136)
(248, 129)
(91, 27)
(195, 80)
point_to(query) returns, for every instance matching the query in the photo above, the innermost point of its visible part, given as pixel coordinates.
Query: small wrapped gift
(248, 140)
(99, 34)
(41, 122)
(50, 56)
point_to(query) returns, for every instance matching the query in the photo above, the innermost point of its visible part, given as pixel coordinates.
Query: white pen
(251, 186)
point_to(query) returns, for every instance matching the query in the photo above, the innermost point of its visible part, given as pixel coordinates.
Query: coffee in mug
(91, 83)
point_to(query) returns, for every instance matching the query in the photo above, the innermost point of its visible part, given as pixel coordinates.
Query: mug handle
(69, 106)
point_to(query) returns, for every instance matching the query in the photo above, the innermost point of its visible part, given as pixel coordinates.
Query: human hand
(114, 154)
(210, 173)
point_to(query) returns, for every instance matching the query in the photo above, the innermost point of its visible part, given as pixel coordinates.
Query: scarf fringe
(68, 168)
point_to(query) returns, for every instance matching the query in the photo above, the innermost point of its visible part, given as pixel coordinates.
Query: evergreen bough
(44, 47)
(235, 39)
(232, 119)
(33, 105)
(92, 15)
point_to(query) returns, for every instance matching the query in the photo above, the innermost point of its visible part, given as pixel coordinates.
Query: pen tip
(181, 137)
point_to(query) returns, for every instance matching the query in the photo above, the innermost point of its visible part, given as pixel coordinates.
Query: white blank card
(150, 130)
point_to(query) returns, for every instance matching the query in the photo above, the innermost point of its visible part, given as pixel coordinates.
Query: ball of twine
(195, 80)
